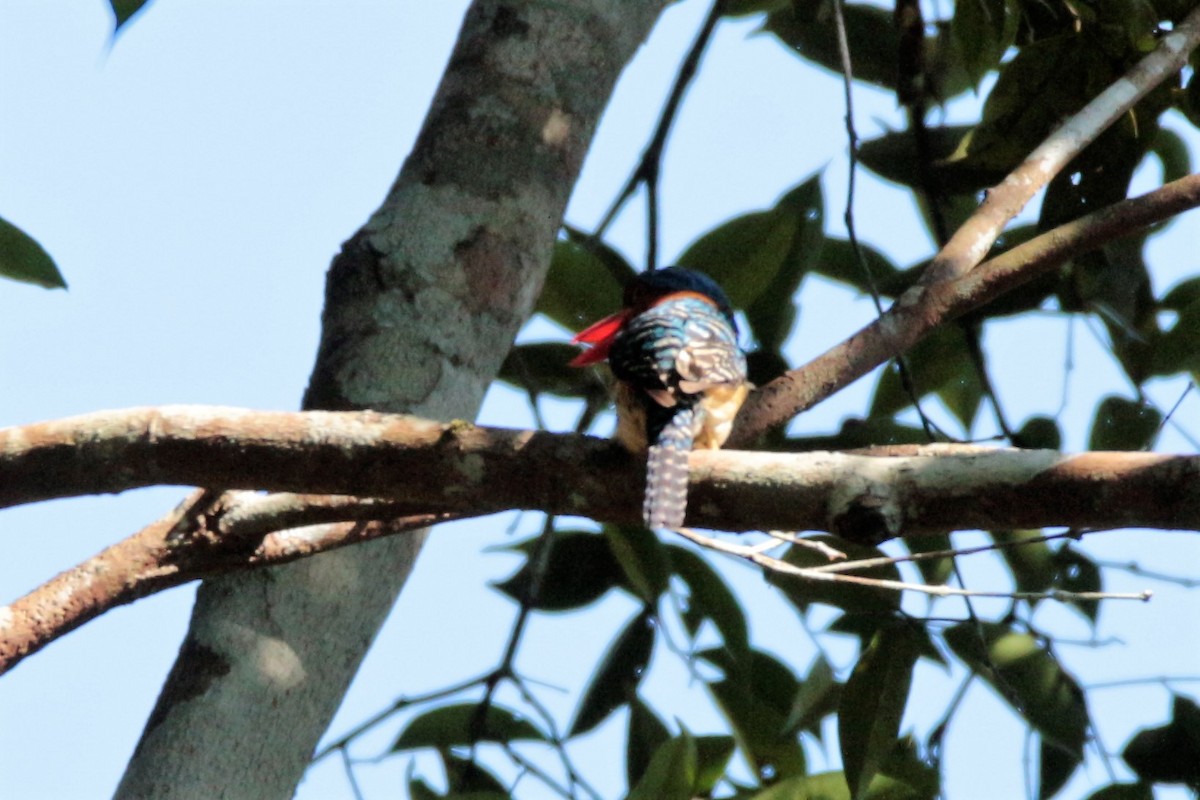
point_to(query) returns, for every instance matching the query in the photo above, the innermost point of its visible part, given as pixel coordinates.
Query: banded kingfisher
(681, 377)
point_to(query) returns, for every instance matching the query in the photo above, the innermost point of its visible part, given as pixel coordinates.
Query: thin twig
(1133, 568)
(902, 370)
(833, 554)
(865, 563)
(536, 771)
(1162, 680)
(648, 167)
(815, 574)
(399, 705)
(1170, 415)
(349, 767)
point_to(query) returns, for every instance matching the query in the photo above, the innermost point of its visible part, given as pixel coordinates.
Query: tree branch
(922, 308)
(464, 469)
(439, 471)
(915, 314)
(421, 306)
(196, 540)
(971, 242)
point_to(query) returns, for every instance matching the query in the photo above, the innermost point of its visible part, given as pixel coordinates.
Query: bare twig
(539, 561)
(824, 549)
(363, 727)
(649, 165)
(905, 375)
(1134, 568)
(866, 563)
(1163, 680)
(749, 553)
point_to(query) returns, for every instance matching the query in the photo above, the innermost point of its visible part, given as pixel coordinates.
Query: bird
(680, 377)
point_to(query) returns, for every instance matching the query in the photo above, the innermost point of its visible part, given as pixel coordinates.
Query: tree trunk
(422, 305)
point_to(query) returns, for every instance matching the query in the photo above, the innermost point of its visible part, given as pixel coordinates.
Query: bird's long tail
(667, 471)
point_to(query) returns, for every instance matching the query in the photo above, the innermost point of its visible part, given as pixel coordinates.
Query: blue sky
(193, 180)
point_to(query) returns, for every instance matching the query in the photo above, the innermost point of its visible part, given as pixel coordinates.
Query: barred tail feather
(667, 472)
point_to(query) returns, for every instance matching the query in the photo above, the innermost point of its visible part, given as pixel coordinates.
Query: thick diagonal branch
(912, 317)
(923, 308)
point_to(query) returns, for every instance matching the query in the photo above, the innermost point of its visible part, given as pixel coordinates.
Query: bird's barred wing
(682, 347)
(710, 355)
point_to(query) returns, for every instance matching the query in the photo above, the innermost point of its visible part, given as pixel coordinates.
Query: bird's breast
(720, 404)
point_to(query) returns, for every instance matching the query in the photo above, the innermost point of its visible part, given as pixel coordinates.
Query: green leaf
(832, 786)
(848, 596)
(543, 368)
(935, 571)
(579, 570)
(1075, 572)
(895, 157)
(468, 780)
(939, 363)
(1122, 424)
(963, 392)
(745, 8)
(418, 789)
(816, 699)
(642, 557)
(1031, 560)
(1183, 294)
(1047, 80)
(1170, 753)
(450, 726)
(709, 598)
(1172, 153)
(822, 786)
(978, 28)
(1055, 768)
(1178, 350)
(872, 705)
(839, 262)
(712, 758)
(646, 734)
(582, 285)
(747, 254)
(756, 696)
(773, 313)
(1190, 100)
(124, 10)
(1123, 791)
(23, 259)
(808, 28)
(616, 679)
(1029, 678)
(905, 774)
(856, 433)
(1038, 433)
(672, 772)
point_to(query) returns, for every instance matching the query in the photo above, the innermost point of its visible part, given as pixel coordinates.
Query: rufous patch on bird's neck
(682, 295)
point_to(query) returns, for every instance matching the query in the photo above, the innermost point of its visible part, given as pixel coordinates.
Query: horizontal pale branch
(459, 467)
